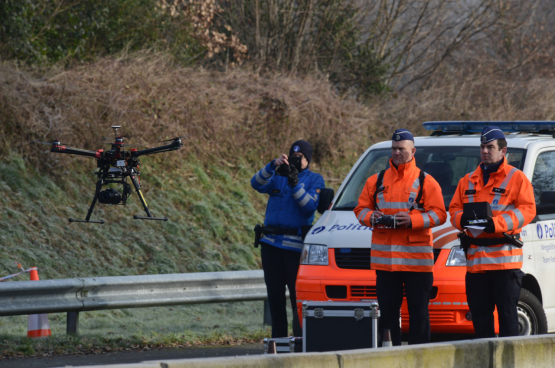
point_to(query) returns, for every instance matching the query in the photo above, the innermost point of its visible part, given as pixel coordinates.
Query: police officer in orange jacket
(402, 253)
(493, 275)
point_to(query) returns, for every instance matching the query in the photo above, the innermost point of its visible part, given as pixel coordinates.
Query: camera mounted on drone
(115, 166)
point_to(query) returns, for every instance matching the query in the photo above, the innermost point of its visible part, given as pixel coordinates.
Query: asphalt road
(133, 356)
(136, 356)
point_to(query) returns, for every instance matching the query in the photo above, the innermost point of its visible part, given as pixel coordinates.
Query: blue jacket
(288, 207)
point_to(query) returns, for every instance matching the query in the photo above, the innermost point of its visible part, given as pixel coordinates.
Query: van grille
(370, 292)
(363, 292)
(359, 258)
(353, 258)
(437, 316)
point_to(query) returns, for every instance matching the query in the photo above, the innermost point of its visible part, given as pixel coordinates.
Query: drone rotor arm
(72, 151)
(175, 145)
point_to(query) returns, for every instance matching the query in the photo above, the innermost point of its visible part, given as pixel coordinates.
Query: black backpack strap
(416, 203)
(378, 185)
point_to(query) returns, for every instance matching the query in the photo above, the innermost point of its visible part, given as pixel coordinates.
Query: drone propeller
(173, 139)
(48, 143)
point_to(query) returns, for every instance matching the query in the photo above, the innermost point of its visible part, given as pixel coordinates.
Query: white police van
(335, 263)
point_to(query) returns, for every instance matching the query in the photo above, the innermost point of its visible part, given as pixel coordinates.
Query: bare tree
(525, 34)
(414, 37)
(398, 43)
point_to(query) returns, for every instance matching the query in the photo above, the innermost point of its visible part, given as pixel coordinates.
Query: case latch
(359, 314)
(318, 312)
(305, 311)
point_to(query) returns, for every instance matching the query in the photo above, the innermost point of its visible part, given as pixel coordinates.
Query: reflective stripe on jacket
(511, 197)
(288, 207)
(402, 249)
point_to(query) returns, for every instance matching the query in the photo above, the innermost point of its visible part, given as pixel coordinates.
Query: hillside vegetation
(234, 123)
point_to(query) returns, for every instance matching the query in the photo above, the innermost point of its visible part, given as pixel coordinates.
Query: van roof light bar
(468, 127)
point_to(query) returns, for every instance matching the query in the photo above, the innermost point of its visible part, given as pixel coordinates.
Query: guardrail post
(72, 323)
(375, 314)
(267, 315)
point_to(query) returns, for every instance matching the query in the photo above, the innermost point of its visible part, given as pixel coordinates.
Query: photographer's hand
(281, 160)
(403, 218)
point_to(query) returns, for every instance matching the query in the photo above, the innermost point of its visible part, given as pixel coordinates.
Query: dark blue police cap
(491, 133)
(402, 135)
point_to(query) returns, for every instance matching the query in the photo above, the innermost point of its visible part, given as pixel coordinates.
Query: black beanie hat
(302, 146)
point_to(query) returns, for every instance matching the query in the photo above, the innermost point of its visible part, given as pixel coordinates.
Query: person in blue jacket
(294, 195)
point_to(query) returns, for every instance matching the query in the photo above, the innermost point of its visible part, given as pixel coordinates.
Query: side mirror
(326, 196)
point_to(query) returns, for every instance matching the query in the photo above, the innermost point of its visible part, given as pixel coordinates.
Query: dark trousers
(486, 290)
(280, 269)
(417, 286)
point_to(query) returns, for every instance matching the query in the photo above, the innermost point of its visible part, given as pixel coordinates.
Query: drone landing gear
(91, 208)
(150, 218)
(137, 189)
(149, 215)
(92, 221)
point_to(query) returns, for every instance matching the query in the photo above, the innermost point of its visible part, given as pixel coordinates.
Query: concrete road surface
(136, 356)
(133, 356)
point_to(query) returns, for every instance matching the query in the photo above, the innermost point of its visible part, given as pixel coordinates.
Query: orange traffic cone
(38, 323)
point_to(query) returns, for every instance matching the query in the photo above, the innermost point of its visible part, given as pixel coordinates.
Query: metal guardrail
(117, 292)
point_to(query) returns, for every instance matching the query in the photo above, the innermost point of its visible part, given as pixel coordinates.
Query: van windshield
(446, 164)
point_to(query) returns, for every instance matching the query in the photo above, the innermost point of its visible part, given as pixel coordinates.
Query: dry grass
(234, 116)
(237, 116)
(482, 95)
(236, 122)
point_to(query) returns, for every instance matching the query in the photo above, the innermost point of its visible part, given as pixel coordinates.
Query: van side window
(544, 174)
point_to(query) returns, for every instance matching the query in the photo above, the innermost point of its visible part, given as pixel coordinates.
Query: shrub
(46, 31)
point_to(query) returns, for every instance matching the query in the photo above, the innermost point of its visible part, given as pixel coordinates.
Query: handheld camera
(296, 161)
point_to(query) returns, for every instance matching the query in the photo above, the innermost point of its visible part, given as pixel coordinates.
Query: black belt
(488, 242)
(276, 230)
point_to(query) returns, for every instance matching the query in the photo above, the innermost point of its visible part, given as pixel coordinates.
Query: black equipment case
(330, 326)
(285, 344)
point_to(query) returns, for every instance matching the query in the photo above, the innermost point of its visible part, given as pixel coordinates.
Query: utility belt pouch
(514, 240)
(257, 234)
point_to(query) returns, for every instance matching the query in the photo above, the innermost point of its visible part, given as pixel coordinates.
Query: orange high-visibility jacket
(511, 197)
(402, 249)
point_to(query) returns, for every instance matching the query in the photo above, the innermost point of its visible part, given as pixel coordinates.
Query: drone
(115, 166)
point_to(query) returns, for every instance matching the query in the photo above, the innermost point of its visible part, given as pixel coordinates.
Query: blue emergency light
(467, 127)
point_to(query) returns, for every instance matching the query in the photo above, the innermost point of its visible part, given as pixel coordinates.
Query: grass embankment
(210, 214)
(143, 328)
(235, 122)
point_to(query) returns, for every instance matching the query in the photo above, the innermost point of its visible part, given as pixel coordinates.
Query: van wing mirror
(326, 196)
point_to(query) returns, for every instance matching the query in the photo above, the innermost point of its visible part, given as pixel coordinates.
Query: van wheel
(531, 316)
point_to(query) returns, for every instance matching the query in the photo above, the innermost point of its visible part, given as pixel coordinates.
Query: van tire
(531, 316)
